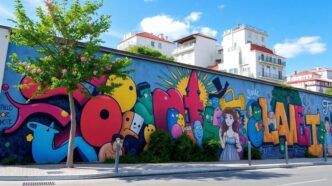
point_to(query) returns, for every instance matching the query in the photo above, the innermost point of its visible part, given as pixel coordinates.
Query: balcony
(272, 76)
(278, 63)
(183, 48)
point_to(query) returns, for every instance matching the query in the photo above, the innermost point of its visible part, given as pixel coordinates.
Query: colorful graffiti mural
(204, 106)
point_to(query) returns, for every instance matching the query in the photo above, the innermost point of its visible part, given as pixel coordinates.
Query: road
(302, 176)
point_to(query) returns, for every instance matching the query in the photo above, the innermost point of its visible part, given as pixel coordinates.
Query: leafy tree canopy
(144, 50)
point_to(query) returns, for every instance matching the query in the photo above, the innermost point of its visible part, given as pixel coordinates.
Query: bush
(160, 147)
(184, 149)
(211, 150)
(11, 160)
(309, 155)
(255, 154)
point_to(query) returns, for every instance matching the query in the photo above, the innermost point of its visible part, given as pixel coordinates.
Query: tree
(62, 62)
(144, 50)
(329, 91)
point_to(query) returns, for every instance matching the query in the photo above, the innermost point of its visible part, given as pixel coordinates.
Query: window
(152, 43)
(280, 74)
(263, 39)
(235, 71)
(159, 45)
(249, 41)
(262, 56)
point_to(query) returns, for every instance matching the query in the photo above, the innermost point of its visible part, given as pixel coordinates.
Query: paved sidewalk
(99, 170)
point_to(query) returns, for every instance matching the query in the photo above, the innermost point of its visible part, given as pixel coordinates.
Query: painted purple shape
(217, 117)
(176, 131)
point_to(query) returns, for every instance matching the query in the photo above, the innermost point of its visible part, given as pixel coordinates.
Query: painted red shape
(79, 97)
(101, 118)
(25, 110)
(303, 137)
(5, 87)
(162, 101)
(192, 100)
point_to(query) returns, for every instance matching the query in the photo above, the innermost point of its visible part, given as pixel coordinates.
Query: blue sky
(298, 29)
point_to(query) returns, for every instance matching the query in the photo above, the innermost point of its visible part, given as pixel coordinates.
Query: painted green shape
(144, 107)
(285, 95)
(210, 131)
(321, 133)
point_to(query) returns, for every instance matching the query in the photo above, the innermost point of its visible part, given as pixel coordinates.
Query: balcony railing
(180, 48)
(282, 63)
(273, 76)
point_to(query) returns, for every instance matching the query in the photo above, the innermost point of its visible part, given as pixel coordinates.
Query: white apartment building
(159, 43)
(196, 49)
(317, 79)
(245, 53)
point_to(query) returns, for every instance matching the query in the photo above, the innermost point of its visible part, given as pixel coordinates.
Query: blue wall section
(177, 98)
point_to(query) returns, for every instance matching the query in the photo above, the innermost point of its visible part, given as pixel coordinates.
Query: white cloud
(166, 25)
(221, 6)
(194, 16)
(206, 31)
(6, 12)
(302, 45)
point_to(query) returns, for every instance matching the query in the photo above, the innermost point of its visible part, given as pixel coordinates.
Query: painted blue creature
(172, 118)
(43, 150)
(198, 132)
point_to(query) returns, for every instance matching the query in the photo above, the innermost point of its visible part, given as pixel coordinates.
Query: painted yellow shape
(3, 114)
(125, 95)
(316, 150)
(234, 102)
(64, 114)
(180, 121)
(148, 130)
(29, 137)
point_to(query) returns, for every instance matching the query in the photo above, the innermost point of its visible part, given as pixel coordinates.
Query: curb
(156, 173)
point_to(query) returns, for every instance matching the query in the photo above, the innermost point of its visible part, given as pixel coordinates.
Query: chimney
(161, 36)
(295, 72)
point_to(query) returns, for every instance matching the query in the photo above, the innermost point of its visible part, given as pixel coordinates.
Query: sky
(300, 30)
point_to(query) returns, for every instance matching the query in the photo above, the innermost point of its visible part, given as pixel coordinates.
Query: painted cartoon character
(132, 124)
(272, 122)
(144, 105)
(198, 132)
(328, 138)
(255, 124)
(43, 150)
(210, 131)
(108, 150)
(181, 121)
(217, 117)
(229, 136)
(148, 130)
(173, 127)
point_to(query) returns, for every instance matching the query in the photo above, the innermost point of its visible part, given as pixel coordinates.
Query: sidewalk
(99, 170)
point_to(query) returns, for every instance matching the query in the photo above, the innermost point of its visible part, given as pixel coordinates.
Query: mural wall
(157, 96)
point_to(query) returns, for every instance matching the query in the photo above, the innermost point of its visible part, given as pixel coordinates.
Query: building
(196, 49)
(317, 79)
(245, 52)
(159, 43)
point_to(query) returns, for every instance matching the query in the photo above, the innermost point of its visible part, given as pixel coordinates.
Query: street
(311, 175)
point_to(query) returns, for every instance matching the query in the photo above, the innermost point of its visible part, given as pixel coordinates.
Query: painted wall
(178, 99)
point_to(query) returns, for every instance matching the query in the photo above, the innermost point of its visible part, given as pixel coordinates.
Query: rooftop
(193, 36)
(245, 26)
(147, 35)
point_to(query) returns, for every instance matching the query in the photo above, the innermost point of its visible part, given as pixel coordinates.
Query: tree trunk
(70, 154)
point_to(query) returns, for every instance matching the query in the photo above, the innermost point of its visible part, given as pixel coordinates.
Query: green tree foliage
(329, 91)
(61, 62)
(144, 50)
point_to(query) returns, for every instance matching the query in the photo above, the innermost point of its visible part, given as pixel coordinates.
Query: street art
(204, 106)
(229, 136)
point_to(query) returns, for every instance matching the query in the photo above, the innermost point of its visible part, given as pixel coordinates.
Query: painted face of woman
(229, 120)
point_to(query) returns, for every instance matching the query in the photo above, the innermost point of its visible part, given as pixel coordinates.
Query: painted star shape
(29, 137)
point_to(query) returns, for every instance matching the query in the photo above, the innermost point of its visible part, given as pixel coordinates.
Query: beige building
(317, 79)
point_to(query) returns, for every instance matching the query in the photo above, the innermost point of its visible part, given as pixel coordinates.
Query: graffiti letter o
(101, 118)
